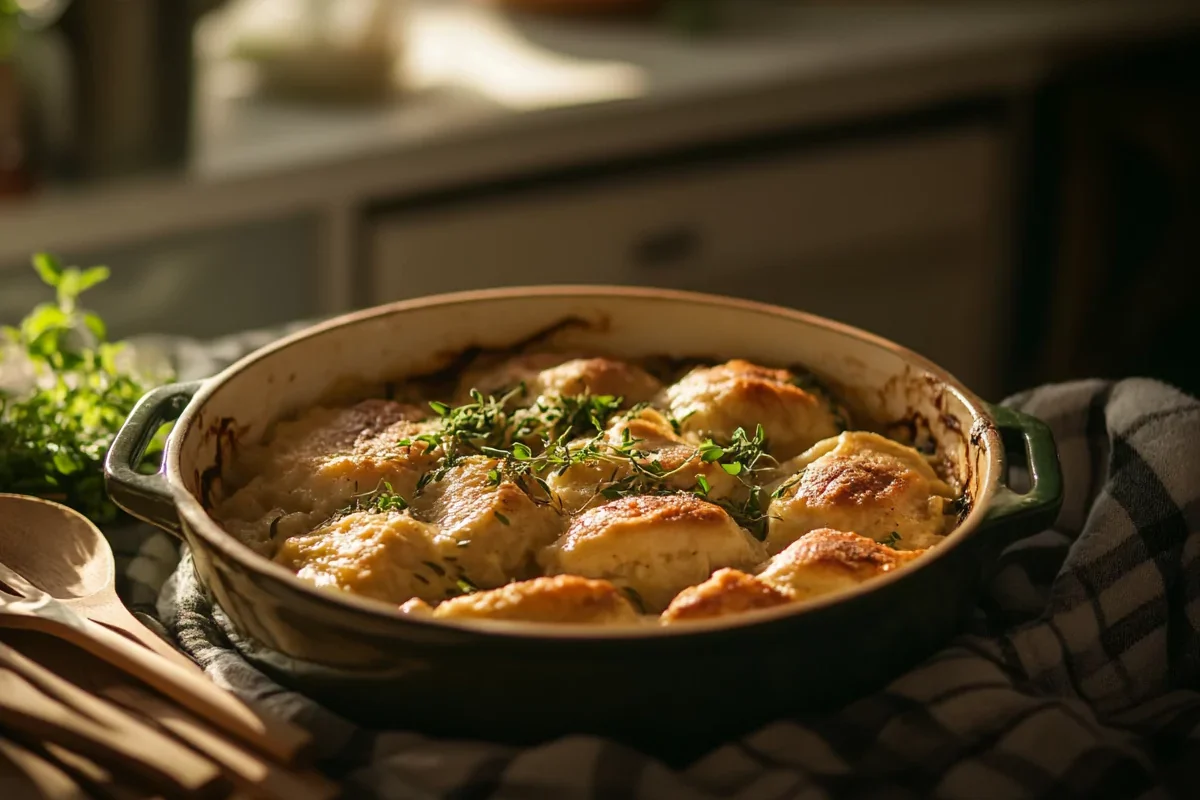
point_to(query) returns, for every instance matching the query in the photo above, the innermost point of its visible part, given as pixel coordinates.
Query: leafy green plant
(8, 27)
(55, 433)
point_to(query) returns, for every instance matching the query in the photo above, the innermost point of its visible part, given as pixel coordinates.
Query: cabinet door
(896, 235)
(205, 283)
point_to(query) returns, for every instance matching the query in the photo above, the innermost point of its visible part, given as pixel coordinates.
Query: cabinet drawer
(697, 225)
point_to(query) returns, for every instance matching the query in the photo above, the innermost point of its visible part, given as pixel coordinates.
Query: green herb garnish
(558, 432)
(379, 500)
(54, 436)
(890, 540)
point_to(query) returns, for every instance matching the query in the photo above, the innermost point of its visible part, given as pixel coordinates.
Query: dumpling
(317, 464)
(497, 378)
(825, 561)
(562, 599)
(654, 545)
(494, 528)
(555, 374)
(713, 402)
(599, 376)
(728, 591)
(385, 555)
(862, 482)
(578, 487)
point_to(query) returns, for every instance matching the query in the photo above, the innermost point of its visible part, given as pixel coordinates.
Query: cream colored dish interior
(570, 487)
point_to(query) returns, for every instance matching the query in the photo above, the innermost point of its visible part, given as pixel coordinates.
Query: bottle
(15, 178)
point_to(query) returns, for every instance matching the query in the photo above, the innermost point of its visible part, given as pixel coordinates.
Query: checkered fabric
(1077, 678)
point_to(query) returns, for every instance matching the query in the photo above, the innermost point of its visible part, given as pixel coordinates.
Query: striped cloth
(1077, 678)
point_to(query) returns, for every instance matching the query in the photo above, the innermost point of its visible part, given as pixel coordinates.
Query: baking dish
(671, 690)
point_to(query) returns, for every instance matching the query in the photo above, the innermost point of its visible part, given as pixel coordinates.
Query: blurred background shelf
(800, 154)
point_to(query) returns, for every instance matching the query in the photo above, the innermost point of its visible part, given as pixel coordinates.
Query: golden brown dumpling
(728, 591)
(579, 486)
(655, 545)
(562, 599)
(599, 376)
(713, 402)
(315, 465)
(385, 555)
(494, 529)
(825, 561)
(497, 378)
(556, 374)
(862, 482)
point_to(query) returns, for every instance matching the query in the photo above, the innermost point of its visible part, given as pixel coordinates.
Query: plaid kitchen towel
(1078, 677)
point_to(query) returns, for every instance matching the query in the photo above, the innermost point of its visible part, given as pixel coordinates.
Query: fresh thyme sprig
(381, 499)
(559, 432)
(558, 416)
(890, 540)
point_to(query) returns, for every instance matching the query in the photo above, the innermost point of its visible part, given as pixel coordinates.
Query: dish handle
(146, 497)
(1017, 514)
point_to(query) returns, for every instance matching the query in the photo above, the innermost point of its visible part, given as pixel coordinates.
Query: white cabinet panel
(204, 283)
(899, 236)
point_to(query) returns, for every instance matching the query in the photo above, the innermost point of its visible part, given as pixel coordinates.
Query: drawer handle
(666, 246)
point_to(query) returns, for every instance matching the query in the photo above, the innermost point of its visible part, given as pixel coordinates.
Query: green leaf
(503, 519)
(441, 409)
(44, 317)
(96, 326)
(702, 484)
(68, 287)
(521, 452)
(64, 463)
(733, 469)
(48, 268)
(92, 276)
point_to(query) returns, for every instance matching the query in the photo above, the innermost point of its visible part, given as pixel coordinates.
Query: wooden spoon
(35, 702)
(24, 775)
(26, 607)
(61, 552)
(257, 775)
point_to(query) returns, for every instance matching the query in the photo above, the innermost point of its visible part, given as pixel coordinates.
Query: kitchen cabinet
(202, 283)
(900, 234)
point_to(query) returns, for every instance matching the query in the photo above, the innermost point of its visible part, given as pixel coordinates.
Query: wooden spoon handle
(126, 624)
(98, 782)
(89, 726)
(259, 777)
(279, 739)
(24, 775)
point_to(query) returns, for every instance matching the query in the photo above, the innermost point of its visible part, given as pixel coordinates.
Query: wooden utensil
(26, 775)
(256, 775)
(36, 703)
(33, 609)
(94, 779)
(61, 552)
